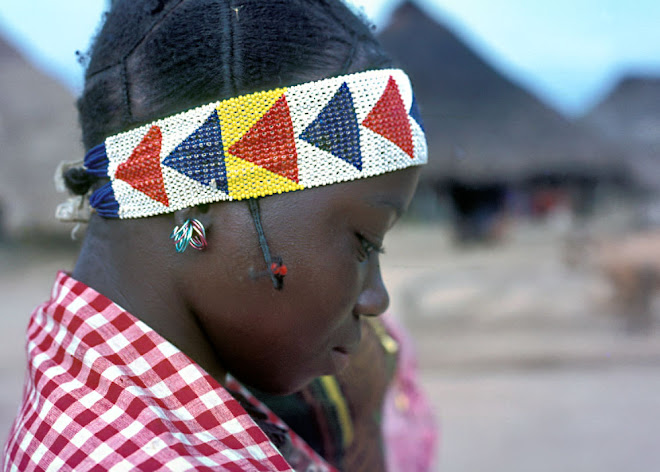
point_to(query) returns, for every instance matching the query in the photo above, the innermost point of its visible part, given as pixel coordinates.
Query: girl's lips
(340, 358)
(341, 349)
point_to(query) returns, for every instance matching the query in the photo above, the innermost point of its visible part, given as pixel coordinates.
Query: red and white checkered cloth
(105, 392)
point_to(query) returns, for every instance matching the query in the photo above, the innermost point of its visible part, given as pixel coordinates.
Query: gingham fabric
(104, 392)
(308, 135)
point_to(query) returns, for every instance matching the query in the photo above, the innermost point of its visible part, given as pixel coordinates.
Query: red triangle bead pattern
(389, 118)
(142, 170)
(270, 143)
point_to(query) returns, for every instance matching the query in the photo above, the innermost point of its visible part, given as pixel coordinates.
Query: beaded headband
(287, 139)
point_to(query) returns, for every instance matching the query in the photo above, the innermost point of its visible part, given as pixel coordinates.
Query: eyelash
(367, 247)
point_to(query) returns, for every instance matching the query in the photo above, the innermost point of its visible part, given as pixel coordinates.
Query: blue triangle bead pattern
(336, 129)
(201, 156)
(415, 114)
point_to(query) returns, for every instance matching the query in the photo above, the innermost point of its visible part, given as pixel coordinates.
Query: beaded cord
(276, 268)
(288, 139)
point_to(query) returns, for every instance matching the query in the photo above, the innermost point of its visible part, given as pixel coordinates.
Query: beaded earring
(191, 233)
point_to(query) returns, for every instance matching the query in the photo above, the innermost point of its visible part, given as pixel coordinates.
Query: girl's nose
(374, 299)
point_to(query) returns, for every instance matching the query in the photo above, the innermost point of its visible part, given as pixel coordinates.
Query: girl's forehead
(390, 192)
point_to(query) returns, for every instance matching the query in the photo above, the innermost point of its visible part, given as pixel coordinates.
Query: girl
(244, 162)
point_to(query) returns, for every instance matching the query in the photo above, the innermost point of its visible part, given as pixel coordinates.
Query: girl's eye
(367, 247)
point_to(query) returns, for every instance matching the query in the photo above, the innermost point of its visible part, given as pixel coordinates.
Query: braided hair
(152, 59)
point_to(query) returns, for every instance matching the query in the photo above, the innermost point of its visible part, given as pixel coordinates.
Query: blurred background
(528, 270)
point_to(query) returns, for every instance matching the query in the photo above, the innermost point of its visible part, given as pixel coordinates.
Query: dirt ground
(526, 359)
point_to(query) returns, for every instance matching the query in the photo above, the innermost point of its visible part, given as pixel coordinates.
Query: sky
(570, 53)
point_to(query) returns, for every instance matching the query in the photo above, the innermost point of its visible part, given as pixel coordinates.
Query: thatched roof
(38, 129)
(630, 117)
(480, 125)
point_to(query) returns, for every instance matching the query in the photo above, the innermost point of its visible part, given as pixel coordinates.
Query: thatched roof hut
(38, 129)
(630, 117)
(480, 125)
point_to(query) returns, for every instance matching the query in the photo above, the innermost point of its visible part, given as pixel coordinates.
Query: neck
(125, 262)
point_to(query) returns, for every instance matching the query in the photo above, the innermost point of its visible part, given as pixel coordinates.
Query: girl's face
(329, 238)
